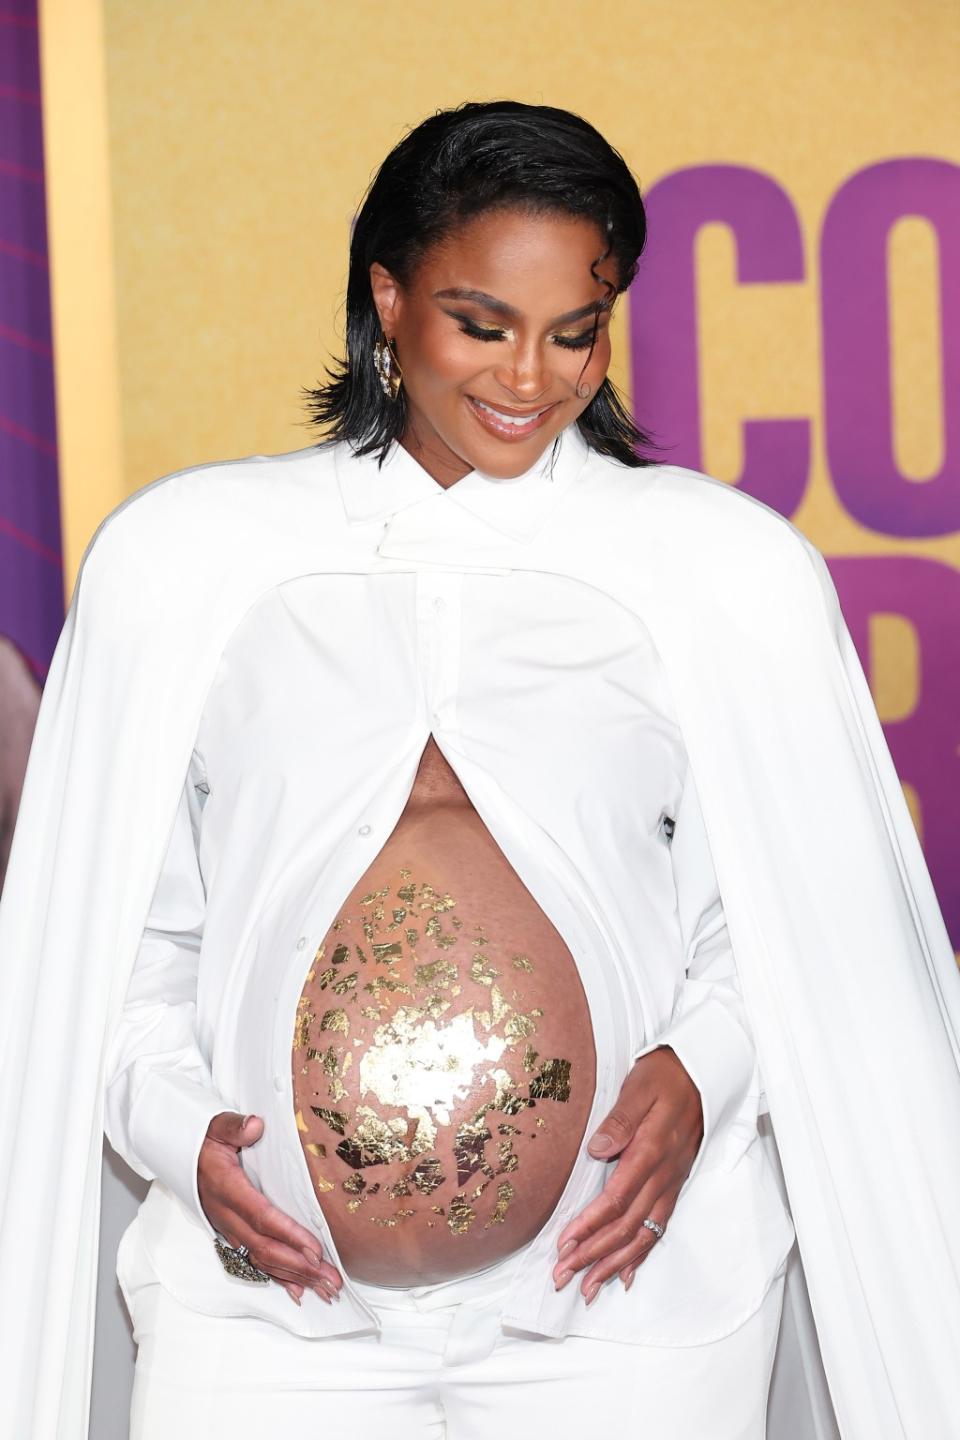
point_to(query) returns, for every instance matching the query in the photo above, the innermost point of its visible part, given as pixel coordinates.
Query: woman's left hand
(656, 1128)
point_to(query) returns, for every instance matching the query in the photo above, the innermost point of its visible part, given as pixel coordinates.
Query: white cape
(847, 973)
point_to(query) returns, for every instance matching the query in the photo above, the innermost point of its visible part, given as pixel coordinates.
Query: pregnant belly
(443, 1059)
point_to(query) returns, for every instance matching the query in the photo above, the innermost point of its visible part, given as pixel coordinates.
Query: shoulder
(699, 515)
(719, 554)
(211, 504)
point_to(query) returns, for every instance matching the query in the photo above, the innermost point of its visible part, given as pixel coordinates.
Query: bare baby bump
(443, 1058)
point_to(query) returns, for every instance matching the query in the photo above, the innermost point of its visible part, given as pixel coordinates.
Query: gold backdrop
(205, 157)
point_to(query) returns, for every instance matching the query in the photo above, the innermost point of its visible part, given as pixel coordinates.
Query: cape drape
(847, 974)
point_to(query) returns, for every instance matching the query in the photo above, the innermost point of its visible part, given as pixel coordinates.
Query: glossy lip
(510, 432)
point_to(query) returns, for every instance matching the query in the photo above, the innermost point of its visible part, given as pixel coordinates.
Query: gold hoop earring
(388, 368)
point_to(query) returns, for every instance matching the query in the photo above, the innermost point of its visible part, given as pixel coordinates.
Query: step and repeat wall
(177, 181)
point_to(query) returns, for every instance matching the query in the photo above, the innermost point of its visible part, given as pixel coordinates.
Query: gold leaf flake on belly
(505, 1193)
(305, 1018)
(335, 1020)
(519, 1026)
(438, 972)
(389, 1222)
(383, 953)
(461, 1216)
(375, 895)
(334, 1118)
(434, 929)
(481, 971)
(468, 1148)
(434, 1006)
(553, 1081)
(428, 1176)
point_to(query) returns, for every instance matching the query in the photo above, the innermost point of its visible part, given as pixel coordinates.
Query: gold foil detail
(418, 1064)
(335, 1020)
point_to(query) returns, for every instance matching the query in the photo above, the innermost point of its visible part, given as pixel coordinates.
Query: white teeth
(509, 419)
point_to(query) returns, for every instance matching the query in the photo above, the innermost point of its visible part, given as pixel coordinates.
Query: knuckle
(617, 1202)
(624, 1234)
(647, 1150)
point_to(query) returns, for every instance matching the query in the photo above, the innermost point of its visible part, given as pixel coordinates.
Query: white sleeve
(708, 1030)
(160, 1096)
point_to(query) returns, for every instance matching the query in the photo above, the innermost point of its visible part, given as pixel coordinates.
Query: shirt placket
(438, 602)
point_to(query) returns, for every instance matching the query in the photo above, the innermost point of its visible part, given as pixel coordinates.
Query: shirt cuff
(168, 1125)
(721, 1061)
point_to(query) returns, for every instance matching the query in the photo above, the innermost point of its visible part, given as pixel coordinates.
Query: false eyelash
(580, 342)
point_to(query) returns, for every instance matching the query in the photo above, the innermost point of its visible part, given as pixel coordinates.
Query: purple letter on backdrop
(924, 744)
(663, 321)
(856, 345)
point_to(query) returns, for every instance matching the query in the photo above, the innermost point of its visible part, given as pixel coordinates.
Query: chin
(506, 461)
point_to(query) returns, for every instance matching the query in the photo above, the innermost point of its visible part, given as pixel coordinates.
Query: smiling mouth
(508, 424)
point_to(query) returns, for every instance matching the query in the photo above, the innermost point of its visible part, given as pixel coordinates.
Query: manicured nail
(566, 1248)
(600, 1144)
(564, 1278)
(331, 1289)
(629, 1280)
(321, 1290)
(295, 1298)
(592, 1291)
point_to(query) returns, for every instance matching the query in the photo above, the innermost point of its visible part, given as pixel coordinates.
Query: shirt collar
(518, 507)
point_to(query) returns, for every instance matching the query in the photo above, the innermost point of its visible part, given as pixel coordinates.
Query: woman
(405, 892)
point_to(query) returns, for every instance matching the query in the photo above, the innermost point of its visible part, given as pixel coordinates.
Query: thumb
(614, 1133)
(235, 1130)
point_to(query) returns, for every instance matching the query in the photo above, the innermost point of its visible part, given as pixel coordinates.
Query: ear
(386, 297)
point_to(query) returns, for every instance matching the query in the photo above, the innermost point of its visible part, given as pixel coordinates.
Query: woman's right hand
(239, 1212)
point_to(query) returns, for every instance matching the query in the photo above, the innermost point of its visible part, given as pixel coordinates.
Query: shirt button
(439, 604)
(364, 830)
(301, 942)
(278, 1083)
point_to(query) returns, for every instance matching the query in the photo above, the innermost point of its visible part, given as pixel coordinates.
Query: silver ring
(652, 1225)
(236, 1262)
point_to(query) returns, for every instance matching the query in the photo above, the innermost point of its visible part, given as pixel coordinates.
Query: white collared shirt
(551, 705)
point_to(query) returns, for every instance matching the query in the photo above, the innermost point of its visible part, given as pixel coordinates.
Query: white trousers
(442, 1368)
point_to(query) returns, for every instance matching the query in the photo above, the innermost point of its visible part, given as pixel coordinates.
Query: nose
(526, 376)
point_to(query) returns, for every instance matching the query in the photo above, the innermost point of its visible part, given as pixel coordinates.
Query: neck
(430, 452)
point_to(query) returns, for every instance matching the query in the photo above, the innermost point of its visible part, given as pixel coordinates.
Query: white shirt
(552, 707)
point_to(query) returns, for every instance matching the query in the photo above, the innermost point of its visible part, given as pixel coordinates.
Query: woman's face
(492, 333)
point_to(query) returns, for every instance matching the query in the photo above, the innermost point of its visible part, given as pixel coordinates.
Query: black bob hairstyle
(455, 165)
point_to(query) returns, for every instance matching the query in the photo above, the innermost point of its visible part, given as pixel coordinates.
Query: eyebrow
(500, 307)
